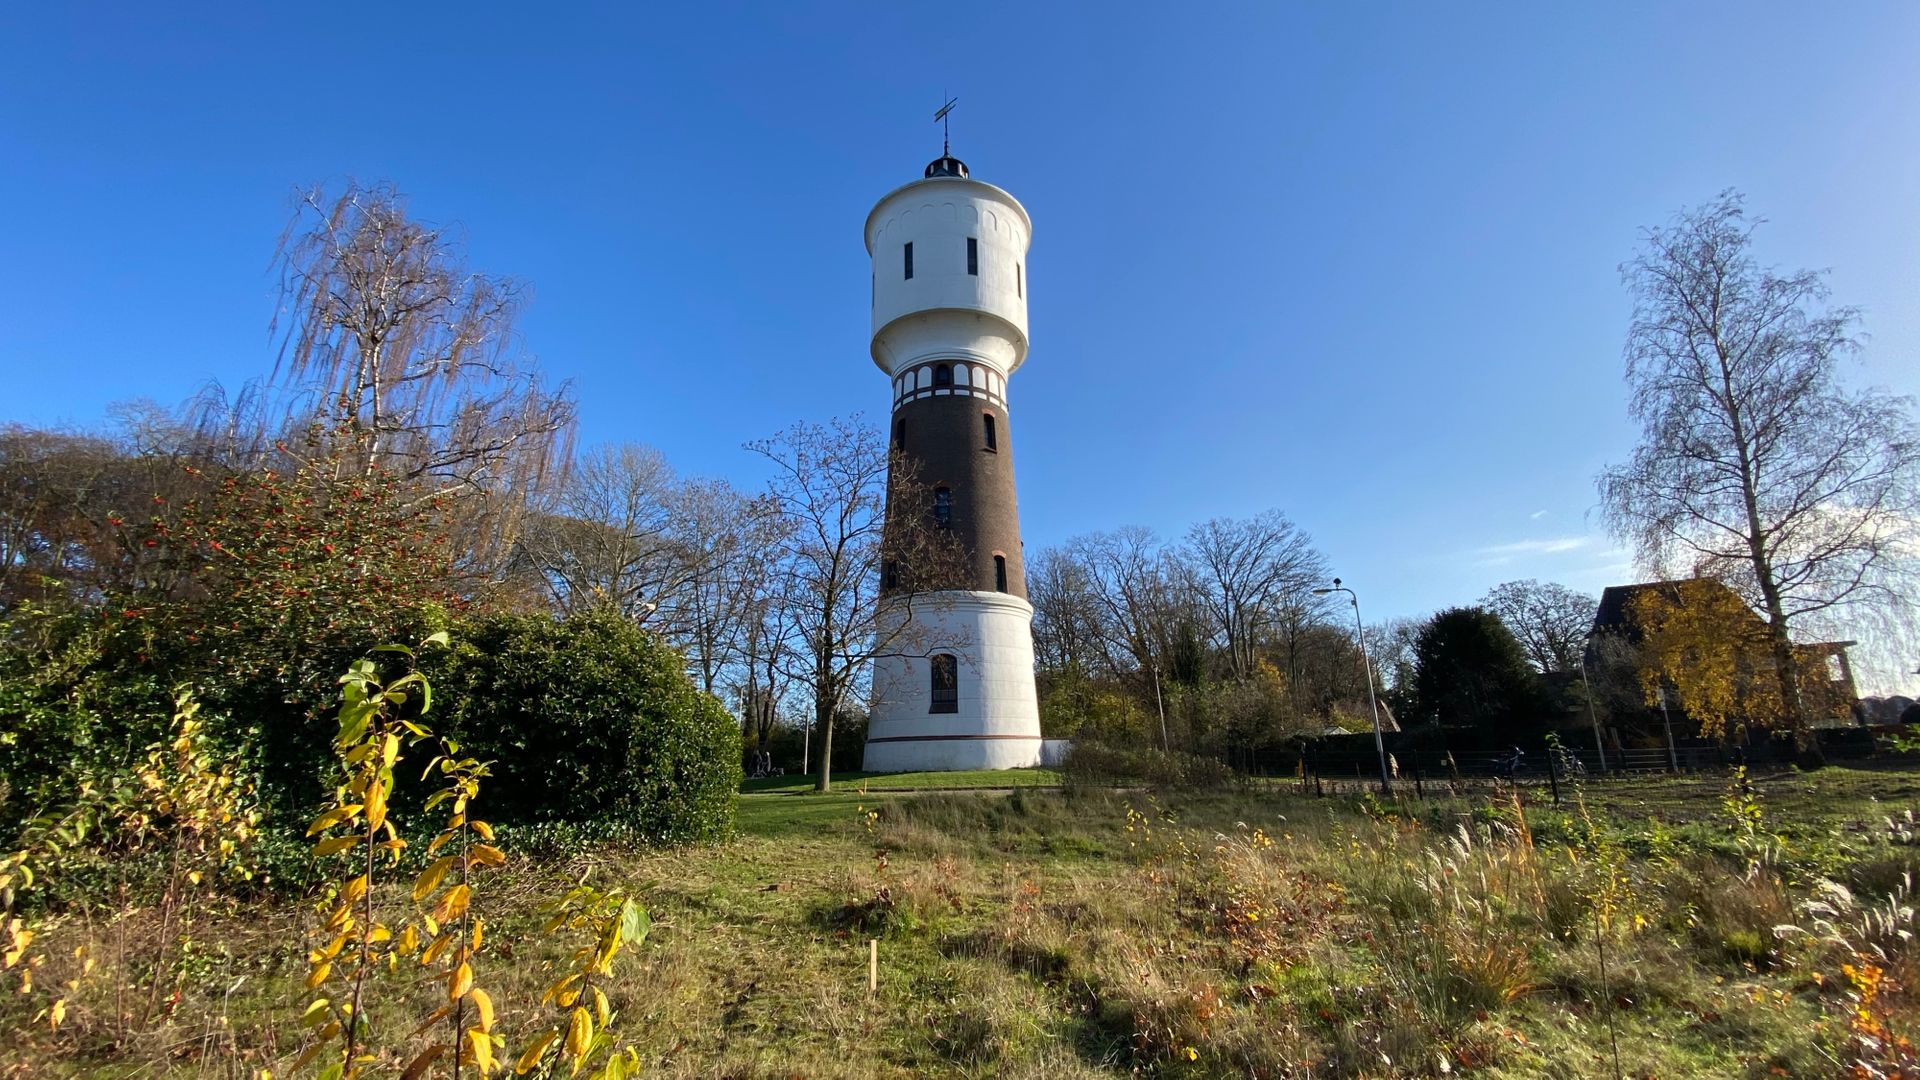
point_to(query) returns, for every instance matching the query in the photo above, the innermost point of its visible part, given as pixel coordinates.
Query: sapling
(355, 940)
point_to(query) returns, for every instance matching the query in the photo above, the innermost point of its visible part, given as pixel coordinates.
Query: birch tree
(1755, 465)
(403, 359)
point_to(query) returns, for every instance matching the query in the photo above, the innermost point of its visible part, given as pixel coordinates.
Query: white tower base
(997, 724)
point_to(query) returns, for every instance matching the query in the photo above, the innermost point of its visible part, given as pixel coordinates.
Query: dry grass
(1060, 935)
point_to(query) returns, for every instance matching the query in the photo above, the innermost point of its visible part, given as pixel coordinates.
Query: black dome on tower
(946, 165)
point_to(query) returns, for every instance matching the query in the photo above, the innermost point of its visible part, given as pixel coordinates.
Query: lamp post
(1599, 746)
(1373, 702)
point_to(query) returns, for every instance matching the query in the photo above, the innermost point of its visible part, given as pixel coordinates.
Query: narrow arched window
(993, 436)
(946, 684)
(943, 507)
(900, 434)
(973, 256)
(943, 375)
(908, 258)
(1000, 572)
(889, 575)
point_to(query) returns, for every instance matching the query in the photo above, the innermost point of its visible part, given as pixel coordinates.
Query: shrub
(591, 719)
(78, 701)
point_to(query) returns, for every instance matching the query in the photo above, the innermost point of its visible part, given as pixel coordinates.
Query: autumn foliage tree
(1702, 644)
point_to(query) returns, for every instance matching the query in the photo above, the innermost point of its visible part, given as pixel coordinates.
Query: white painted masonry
(942, 310)
(998, 722)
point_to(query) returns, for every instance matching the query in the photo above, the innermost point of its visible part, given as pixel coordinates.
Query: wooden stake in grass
(873, 965)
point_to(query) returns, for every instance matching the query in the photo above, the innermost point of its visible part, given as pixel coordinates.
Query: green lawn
(910, 781)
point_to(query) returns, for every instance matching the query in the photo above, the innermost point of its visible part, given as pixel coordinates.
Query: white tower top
(949, 272)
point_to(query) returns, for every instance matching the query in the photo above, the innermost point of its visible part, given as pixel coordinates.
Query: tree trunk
(824, 702)
(823, 720)
(1787, 669)
(1786, 666)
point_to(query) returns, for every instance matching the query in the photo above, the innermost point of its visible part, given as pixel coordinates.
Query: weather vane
(945, 141)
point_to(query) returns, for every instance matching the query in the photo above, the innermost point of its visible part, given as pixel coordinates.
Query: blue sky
(1354, 261)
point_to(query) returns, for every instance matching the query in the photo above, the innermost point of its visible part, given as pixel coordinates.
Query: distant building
(1613, 650)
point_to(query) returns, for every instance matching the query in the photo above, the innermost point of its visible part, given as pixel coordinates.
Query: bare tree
(832, 484)
(406, 356)
(1131, 589)
(1754, 465)
(1550, 620)
(610, 535)
(1246, 571)
(1066, 613)
(719, 614)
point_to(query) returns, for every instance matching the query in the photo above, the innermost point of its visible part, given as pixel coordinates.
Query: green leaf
(440, 638)
(634, 922)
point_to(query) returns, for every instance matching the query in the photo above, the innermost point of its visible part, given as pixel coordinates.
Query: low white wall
(997, 723)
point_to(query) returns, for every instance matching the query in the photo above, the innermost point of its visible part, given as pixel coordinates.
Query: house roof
(1614, 614)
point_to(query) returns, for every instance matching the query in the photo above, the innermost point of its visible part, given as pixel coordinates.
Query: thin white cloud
(1538, 514)
(1551, 546)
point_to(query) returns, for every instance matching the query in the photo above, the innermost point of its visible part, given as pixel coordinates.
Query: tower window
(993, 437)
(900, 434)
(943, 507)
(1000, 572)
(889, 575)
(1019, 281)
(909, 260)
(946, 684)
(943, 375)
(973, 256)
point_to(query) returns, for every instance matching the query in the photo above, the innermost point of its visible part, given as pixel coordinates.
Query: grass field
(1075, 933)
(917, 781)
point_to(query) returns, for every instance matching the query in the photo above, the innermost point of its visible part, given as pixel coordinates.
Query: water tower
(949, 329)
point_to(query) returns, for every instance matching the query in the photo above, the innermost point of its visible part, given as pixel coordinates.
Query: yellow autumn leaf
(600, 1010)
(334, 846)
(354, 890)
(579, 1033)
(483, 1005)
(479, 925)
(434, 950)
(535, 1050)
(376, 804)
(485, 830)
(333, 947)
(390, 751)
(429, 878)
(319, 974)
(460, 981)
(558, 988)
(331, 818)
(481, 1044)
(487, 856)
(453, 904)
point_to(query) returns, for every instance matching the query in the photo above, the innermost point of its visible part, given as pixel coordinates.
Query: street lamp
(1360, 633)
